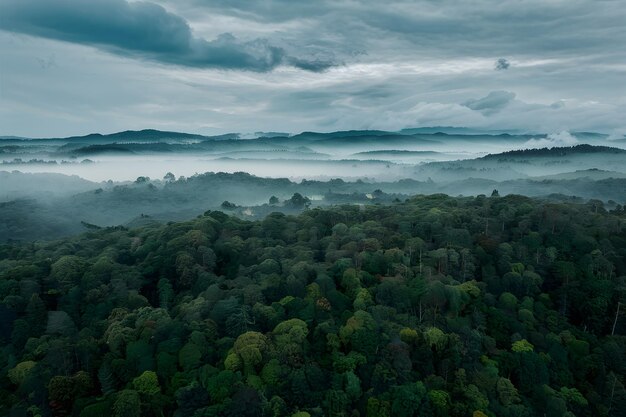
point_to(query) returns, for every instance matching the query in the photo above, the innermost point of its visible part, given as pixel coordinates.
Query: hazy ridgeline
(59, 186)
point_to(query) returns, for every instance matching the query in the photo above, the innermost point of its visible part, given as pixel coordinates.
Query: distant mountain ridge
(155, 134)
(557, 151)
(131, 135)
(418, 135)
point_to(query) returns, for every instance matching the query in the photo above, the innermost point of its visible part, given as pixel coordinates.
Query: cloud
(314, 65)
(144, 30)
(445, 27)
(411, 62)
(492, 103)
(563, 138)
(46, 63)
(502, 64)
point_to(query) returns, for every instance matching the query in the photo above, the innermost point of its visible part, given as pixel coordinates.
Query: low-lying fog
(126, 168)
(57, 187)
(380, 156)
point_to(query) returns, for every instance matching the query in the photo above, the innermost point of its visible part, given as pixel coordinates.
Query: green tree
(507, 393)
(20, 372)
(127, 404)
(147, 383)
(522, 346)
(67, 271)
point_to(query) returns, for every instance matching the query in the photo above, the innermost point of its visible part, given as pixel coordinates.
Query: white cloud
(563, 138)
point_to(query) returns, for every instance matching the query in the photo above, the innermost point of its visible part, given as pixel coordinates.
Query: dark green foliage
(438, 306)
(298, 201)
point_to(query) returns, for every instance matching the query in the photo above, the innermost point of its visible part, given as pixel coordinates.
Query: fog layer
(59, 186)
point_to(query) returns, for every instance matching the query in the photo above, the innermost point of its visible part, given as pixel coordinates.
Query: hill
(582, 149)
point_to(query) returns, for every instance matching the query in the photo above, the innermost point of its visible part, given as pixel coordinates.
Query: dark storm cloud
(315, 65)
(502, 64)
(144, 30)
(492, 103)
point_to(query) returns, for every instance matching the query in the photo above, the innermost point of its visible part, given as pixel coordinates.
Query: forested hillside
(437, 306)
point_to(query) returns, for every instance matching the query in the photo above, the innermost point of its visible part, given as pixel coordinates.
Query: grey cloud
(481, 27)
(502, 64)
(557, 105)
(418, 61)
(143, 30)
(266, 10)
(492, 103)
(315, 65)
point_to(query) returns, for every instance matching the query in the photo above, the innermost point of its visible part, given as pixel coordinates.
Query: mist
(352, 155)
(56, 187)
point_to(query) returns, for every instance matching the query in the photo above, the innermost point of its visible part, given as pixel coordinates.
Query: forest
(483, 306)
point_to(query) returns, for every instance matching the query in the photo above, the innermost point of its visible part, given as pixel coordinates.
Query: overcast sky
(212, 66)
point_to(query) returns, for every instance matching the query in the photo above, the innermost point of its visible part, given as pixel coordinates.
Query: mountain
(558, 151)
(593, 173)
(451, 130)
(138, 135)
(395, 152)
(145, 135)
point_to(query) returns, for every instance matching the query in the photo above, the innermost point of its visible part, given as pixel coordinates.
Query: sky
(72, 67)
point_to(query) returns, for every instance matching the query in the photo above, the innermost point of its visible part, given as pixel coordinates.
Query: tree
(147, 383)
(20, 372)
(67, 271)
(408, 399)
(522, 346)
(63, 391)
(221, 385)
(271, 373)
(247, 352)
(127, 404)
(290, 337)
(435, 338)
(227, 205)
(440, 401)
(352, 386)
(189, 356)
(507, 393)
(298, 201)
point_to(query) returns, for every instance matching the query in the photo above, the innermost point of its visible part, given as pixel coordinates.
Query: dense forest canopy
(435, 306)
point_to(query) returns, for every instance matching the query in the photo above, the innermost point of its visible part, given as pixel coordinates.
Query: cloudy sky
(213, 66)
